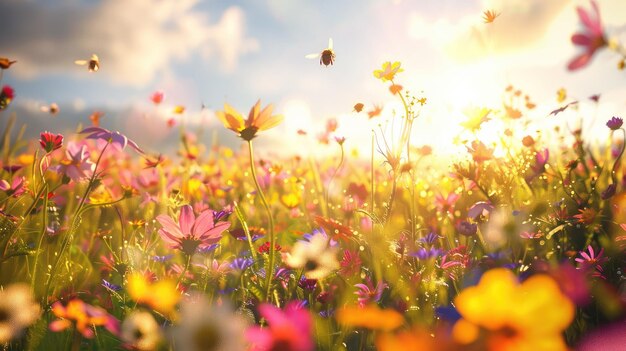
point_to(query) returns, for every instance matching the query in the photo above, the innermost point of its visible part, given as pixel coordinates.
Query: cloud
(521, 24)
(135, 40)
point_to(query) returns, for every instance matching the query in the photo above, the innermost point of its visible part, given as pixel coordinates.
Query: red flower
(8, 92)
(157, 97)
(50, 142)
(6, 95)
(591, 39)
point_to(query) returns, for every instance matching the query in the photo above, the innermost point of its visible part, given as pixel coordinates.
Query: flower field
(515, 245)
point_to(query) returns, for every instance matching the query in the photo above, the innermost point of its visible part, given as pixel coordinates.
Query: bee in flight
(53, 108)
(327, 56)
(93, 64)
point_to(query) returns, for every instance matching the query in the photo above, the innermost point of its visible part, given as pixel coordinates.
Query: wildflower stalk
(270, 273)
(619, 157)
(332, 177)
(75, 221)
(182, 274)
(44, 227)
(246, 230)
(28, 210)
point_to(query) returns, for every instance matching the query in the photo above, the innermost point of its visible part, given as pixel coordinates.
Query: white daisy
(316, 257)
(18, 310)
(141, 331)
(206, 327)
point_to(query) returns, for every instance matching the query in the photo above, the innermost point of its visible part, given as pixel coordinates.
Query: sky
(207, 53)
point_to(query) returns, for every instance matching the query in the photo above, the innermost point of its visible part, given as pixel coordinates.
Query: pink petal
(169, 239)
(273, 315)
(581, 39)
(579, 61)
(170, 226)
(186, 219)
(216, 231)
(204, 223)
(592, 253)
(584, 17)
(59, 325)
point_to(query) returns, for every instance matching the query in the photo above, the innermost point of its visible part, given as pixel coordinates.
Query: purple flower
(466, 228)
(222, 215)
(208, 249)
(307, 284)
(431, 238)
(116, 139)
(162, 258)
(615, 123)
(241, 264)
(307, 237)
(111, 286)
(191, 233)
(424, 254)
(479, 209)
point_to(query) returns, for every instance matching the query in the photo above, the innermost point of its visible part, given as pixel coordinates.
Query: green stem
(77, 215)
(619, 157)
(28, 211)
(270, 273)
(182, 274)
(330, 181)
(44, 228)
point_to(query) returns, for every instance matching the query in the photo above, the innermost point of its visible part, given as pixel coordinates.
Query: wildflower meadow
(515, 243)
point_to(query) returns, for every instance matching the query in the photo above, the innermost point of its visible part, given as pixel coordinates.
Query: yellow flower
(370, 317)
(527, 316)
(290, 200)
(162, 296)
(388, 71)
(476, 116)
(257, 120)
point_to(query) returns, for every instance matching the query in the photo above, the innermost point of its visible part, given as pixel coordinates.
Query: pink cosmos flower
(76, 164)
(368, 293)
(191, 233)
(16, 188)
(588, 260)
(118, 140)
(287, 330)
(591, 39)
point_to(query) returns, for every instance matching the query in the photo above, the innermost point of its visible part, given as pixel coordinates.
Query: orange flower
(375, 112)
(410, 340)
(490, 16)
(395, 88)
(370, 317)
(5, 63)
(257, 120)
(84, 316)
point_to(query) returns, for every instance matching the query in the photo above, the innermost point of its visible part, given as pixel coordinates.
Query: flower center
(4, 315)
(311, 265)
(248, 133)
(206, 338)
(189, 245)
